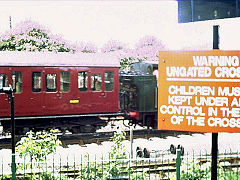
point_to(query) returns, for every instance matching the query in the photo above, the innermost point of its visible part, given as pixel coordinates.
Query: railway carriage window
(17, 81)
(82, 81)
(65, 81)
(51, 83)
(108, 81)
(96, 82)
(3, 80)
(36, 82)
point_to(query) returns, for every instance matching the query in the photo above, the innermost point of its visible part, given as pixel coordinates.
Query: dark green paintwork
(144, 87)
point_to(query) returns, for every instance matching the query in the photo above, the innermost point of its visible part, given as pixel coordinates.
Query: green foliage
(116, 165)
(126, 62)
(38, 145)
(118, 153)
(118, 150)
(92, 170)
(48, 176)
(195, 171)
(110, 168)
(229, 176)
(42, 176)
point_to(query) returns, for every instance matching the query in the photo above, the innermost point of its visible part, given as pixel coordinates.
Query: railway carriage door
(104, 96)
(96, 92)
(20, 95)
(34, 89)
(111, 93)
(52, 94)
(65, 91)
(83, 98)
(96, 99)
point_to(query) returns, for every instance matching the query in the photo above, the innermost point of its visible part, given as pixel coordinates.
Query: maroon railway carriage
(62, 90)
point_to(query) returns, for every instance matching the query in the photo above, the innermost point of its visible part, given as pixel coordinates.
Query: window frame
(51, 90)
(66, 82)
(5, 80)
(93, 88)
(14, 86)
(36, 90)
(111, 81)
(85, 81)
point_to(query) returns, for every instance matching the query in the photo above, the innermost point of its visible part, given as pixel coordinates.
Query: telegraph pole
(10, 22)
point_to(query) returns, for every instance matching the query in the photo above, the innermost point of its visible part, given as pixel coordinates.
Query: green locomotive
(138, 94)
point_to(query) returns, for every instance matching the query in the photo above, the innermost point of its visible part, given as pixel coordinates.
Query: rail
(98, 137)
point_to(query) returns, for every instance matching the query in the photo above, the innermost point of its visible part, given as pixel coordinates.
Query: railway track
(98, 137)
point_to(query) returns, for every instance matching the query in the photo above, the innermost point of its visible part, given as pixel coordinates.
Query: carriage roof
(22, 58)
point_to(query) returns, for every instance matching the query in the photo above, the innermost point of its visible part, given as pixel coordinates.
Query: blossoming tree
(146, 49)
(31, 36)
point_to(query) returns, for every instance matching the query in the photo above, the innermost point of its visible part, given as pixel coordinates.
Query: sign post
(215, 135)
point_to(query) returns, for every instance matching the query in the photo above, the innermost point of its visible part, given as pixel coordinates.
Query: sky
(95, 21)
(126, 21)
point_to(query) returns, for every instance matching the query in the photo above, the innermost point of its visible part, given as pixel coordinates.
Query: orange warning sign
(199, 91)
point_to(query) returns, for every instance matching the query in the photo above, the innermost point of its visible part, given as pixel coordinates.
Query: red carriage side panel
(96, 93)
(53, 88)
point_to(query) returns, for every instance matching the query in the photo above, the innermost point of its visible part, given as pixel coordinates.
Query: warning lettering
(199, 91)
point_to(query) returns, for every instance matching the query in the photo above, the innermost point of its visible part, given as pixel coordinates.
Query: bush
(38, 145)
(195, 171)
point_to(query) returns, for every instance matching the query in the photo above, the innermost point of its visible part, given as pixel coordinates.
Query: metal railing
(158, 166)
